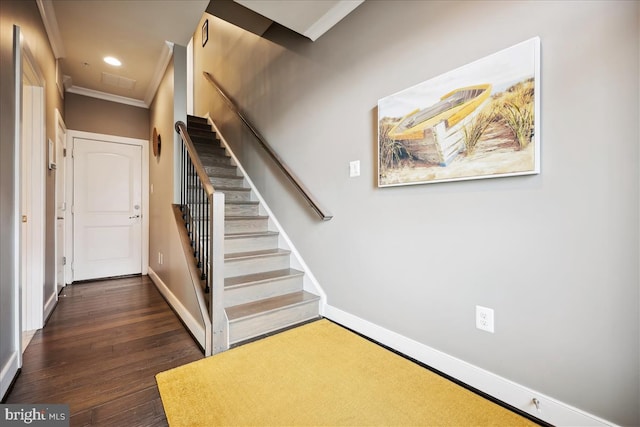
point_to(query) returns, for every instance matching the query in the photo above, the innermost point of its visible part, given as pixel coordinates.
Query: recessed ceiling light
(112, 61)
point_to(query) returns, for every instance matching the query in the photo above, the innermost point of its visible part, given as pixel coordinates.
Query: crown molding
(331, 18)
(48, 15)
(107, 96)
(161, 66)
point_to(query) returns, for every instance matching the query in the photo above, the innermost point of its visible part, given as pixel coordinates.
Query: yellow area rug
(319, 374)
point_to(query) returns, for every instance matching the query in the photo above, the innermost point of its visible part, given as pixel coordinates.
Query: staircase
(261, 292)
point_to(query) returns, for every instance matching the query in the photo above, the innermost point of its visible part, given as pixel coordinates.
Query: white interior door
(107, 192)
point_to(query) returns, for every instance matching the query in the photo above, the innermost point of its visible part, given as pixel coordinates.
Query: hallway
(100, 352)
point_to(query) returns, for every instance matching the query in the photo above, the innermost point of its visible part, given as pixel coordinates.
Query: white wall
(555, 255)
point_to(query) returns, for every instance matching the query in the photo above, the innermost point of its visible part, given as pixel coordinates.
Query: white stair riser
(248, 328)
(249, 244)
(212, 152)
(220, 170)
(241, 267)
(213, 159)
(257, 291)
(232, 209)
(226, 181)
(237, 195)
(245, 225)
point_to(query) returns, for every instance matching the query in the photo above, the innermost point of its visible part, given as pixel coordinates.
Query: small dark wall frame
(205, 32)
(157, 142)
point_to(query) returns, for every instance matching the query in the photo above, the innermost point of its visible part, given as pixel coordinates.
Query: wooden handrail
(306, 194)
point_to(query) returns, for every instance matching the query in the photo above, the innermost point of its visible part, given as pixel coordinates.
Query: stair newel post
(216, 273)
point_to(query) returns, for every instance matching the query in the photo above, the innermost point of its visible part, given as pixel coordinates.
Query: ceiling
(141, 33)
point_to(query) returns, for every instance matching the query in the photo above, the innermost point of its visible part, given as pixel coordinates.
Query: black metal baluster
(206, 243)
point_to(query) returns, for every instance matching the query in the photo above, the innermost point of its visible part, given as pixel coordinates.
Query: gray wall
(556, 255)
(100, 116)
(167, 107)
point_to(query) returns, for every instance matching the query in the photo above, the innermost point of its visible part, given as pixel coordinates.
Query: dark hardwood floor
(100, 351)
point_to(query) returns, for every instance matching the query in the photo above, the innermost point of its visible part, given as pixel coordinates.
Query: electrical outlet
(160, 258)
(354, 168)
(484, 318)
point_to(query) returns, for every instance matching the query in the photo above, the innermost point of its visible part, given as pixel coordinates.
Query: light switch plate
(354, 168)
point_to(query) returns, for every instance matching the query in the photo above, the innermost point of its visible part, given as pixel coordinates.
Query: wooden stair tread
(244, 217)
(242, 202)
(210, 149)
(227, 202)
(223, 189)
(264, 276)
(199, 119)
(256, 254)
(246, 234)
(255, 308)
(221, 166)
(236, 218)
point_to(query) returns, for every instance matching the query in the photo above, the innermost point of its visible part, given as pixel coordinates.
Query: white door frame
(71, 136)
(60, 147)
(9, 368)
(32, 258)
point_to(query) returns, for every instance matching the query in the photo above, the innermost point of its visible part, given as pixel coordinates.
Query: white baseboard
(516, 395)
(50, 305)
(196, 329)
(8, 372)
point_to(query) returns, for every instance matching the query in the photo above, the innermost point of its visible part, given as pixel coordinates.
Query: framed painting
(481, 120)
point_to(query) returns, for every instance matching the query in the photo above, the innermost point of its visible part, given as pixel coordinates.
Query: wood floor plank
(100, 352)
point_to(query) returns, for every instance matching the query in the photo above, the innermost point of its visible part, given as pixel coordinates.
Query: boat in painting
(434, 134)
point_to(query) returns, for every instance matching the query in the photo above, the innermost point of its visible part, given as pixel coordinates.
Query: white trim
(71, 136)
(107, 96)
(310, 283)
(68, 218)
(161, 66)
(190, 67)
(12, 366)
(331, 18)
(60, 162)
(197, 330)
(27, 336)
(33, 296)
(551, 410)
(8, 372)
(50, 22)
(50, 305)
